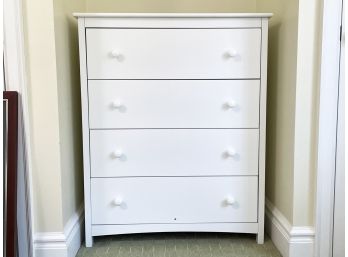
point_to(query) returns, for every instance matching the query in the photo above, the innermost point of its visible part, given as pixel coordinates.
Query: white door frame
(329, 89)
(15, 74)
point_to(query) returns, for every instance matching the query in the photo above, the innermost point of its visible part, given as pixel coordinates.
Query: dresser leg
(260, 237)
(89, 241)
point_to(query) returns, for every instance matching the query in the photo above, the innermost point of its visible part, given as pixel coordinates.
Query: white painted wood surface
(174, 152)
(173, 53)
(174, 200)
(61, 244)
(155, 89)
(262, 131)
(327, 134)
(174, 104)
(339, 242)
(173, 22)
(100, 230)
(85, 133)
(173, 15)
(291, 241)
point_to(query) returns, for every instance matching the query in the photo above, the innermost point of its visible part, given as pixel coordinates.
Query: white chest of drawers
(174, 118)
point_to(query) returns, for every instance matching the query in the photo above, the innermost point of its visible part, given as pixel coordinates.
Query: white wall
(69, 103)
(306, 112)
(292, 107)
(44, 119)
(281, 102)
(55, 120)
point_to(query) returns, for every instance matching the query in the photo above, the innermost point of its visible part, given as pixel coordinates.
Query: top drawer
(173, 53)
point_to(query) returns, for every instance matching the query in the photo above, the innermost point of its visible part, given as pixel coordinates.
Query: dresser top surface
(173, 15)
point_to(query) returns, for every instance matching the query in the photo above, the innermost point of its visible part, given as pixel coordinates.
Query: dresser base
(102, 230)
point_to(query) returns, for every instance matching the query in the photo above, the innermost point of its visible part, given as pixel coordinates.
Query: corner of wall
(306, 111)
(69, 105)
(43, 114)
(61, 244)
(291, 241)
(281, 102)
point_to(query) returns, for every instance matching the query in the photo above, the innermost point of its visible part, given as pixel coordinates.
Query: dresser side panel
(262, 126)
(85, 130)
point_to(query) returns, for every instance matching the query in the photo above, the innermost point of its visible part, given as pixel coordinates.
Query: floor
(179, 245)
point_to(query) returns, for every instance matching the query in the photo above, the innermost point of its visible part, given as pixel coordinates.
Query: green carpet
(179, 245)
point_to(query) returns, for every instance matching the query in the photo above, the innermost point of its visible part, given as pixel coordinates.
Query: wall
(44, 121)
(69, 103)
(54, 106)
(292, 107)
(306, 112)
(282, 71)
(171, 6)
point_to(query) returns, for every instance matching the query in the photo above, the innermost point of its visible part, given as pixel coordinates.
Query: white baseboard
(290, 241)
(61, 244)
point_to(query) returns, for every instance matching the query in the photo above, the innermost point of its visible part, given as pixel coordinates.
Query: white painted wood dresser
(174, 119)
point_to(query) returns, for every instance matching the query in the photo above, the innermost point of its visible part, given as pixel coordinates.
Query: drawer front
(173, 53)
(174, 200)
(178, 152)
(174, 103)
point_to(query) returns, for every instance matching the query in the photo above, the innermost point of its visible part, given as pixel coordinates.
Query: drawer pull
(231, 153)
(116, 104)
(231, 104)
(116, 54)
(118, 201)
(230, 200)
(117, 154)
(231, 54)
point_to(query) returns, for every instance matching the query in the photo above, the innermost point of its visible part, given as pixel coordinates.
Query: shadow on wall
(282, 70)
(272, 105)
(76, 105)
(70, 121)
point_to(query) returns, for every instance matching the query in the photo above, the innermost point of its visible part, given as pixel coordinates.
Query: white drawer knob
(231, 54)
(231, 152)
(115, 54)
(231, 104)
(117, 154)
(118, 201)
(117, 104)
(230, 200)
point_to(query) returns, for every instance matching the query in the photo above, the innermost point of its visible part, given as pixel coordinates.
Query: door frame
(327, 130)
(15, 79)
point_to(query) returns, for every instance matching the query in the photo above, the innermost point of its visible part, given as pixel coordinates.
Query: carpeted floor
(179, 245)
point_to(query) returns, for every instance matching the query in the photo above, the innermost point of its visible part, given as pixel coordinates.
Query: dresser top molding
(173, 15)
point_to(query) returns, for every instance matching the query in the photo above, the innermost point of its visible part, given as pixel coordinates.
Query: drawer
(174, 200)
(174, 152)
(173, 53)
(174, 103)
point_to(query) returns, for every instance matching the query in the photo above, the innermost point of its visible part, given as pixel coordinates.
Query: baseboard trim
(61, 244)
(291, 241)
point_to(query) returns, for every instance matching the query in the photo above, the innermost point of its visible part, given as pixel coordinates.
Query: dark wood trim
(11, 173)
